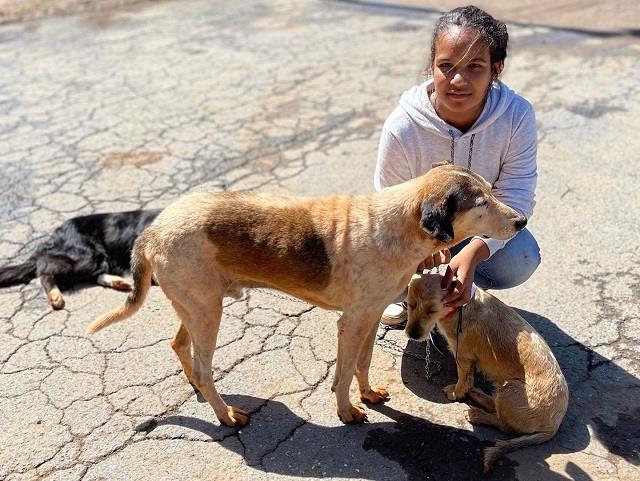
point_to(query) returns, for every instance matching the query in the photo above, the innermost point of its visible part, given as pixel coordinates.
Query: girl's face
(462, 73)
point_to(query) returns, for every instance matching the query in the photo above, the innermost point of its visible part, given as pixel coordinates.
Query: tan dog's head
(424, 305)
(458, 203)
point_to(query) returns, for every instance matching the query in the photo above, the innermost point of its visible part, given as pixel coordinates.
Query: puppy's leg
(483, 399)
(513, 409)
(52, 291)
(115, 282)
(349, 340)
(479, 416)
(181, 344)
(369, 394)
(455, 392)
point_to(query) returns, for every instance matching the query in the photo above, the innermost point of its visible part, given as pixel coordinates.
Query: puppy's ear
(436, 222)
(440, 164)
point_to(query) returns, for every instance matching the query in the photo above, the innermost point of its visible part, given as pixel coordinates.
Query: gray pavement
(133, 108)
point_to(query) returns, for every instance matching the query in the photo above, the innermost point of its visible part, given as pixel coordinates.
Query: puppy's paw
(356, 415)
(479, 416)
(450, 392)
(375, 395)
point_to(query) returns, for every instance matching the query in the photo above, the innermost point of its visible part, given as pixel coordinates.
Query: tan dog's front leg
(455, 392)
(348, 349)
(369, 394)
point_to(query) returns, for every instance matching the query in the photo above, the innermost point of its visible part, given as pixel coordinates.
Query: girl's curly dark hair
(492, 31)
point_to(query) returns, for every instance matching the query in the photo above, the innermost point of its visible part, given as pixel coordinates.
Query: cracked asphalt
(131, 108)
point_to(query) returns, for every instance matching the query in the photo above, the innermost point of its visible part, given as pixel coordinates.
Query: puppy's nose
(520, 223)
(414, 333)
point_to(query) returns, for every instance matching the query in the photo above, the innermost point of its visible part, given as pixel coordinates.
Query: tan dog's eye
(412, 306)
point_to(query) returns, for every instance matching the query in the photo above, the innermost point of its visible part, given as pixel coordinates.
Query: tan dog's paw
(375, 395)
(450, 392)
(236, 417)
(357, 415)
(121, 285)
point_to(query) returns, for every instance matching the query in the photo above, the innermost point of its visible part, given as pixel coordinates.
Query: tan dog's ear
(436, 222)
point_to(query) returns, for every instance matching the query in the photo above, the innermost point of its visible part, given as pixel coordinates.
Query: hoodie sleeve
(392, 166)
(518, 177)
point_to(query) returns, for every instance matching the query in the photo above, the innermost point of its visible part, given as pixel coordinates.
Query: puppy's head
(457, 203)
(424, 305)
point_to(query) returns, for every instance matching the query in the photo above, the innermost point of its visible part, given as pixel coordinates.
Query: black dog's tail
(17, 274)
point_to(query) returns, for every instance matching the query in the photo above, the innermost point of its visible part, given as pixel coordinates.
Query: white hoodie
(500, 146)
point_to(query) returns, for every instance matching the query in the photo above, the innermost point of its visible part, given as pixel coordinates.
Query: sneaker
(394, 314)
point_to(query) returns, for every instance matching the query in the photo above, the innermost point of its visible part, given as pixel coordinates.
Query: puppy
(531, 394)
(349, 253)
(89, 248)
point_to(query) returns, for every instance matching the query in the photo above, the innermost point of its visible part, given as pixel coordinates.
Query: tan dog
(531, 393)
(349, 253)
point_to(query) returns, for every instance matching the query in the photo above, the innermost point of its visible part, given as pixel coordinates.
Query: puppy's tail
(17, 274)
(142, 271)
(501, 447)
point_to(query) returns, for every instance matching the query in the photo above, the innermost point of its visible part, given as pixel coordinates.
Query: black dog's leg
(54, 295)
(115, 282)
(48, 267)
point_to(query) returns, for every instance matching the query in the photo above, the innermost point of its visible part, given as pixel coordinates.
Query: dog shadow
(279, 441)
(604, 398)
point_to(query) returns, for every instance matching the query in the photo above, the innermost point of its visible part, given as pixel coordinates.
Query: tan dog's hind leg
(181, 344)
(349, 342)
(369, 394)
(198, 303)
(455, 392)
(204, 322)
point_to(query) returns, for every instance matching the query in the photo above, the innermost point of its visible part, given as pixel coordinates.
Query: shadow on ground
(423, 450)
(604, 396)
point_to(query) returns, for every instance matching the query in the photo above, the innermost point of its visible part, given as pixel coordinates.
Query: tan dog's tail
(142, 271)
(502, 447)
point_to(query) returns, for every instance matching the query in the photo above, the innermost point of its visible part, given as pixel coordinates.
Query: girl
(465, 115)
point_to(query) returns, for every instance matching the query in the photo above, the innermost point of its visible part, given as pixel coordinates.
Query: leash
(459, 323)
(458, 331)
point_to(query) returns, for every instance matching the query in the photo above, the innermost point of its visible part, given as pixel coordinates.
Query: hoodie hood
(417, 105)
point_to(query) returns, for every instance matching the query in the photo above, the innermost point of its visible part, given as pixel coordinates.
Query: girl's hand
(440, 257)
(460, 272)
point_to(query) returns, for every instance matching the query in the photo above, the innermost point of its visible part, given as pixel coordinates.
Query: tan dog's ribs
(295, 254)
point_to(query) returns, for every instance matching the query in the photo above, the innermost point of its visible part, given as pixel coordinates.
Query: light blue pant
(510, 266)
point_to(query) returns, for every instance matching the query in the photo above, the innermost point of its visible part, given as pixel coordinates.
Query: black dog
(89, 248)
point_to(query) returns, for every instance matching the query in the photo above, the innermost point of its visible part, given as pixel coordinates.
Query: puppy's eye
(412, 306)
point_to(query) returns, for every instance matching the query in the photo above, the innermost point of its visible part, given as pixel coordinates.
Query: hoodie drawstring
(453, 150)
